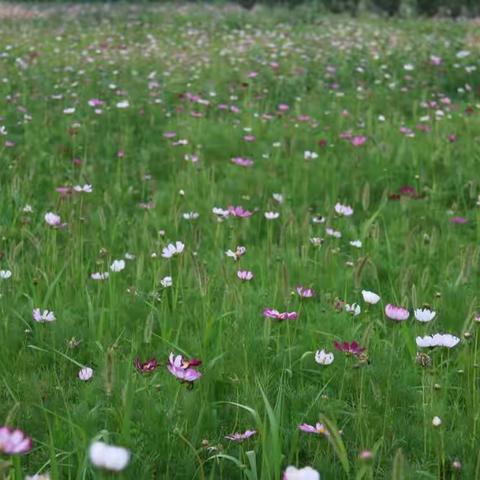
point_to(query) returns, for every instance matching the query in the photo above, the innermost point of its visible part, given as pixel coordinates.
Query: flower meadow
(238, 245)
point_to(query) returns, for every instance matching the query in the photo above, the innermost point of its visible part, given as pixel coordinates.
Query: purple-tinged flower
(85, 374)
(242, 162)
(239, 211)
(458, 220)
(249, 138)
(245, 275)
(14, 441)
(396, 312)
(64, 191)
(54, 220)
(305, 292)
(95, 102)
(183, 369)
(349, 348)
(276, 315)
(343, 210)
(145, 367)
(240, 437)
(365, 455)
(239, 252)
(358, 140)
(42, 317)
(318, 429)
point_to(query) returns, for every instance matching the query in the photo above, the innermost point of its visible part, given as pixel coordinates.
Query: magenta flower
(240, 437)
(242, 162)
(458, 220)
(145, 367)
(183, 369)
(249, 138)
(358, 140)
(318, 428)
(170, 134)
(395, 312)
(95, 102)
(276, 315)
(239, 212)
(283, 107)
(14, 441)
(349, 348)
(305, 292)
(245, 275)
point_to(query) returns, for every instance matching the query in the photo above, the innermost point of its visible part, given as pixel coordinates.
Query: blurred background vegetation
(389, 8)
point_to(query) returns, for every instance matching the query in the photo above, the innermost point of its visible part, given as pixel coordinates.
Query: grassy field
(128, 126)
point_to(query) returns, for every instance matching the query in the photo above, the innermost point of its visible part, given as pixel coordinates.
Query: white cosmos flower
(237, 253)
(52, 219)
(173, 249)
(344, 210)
(85, 374)
(220, 213)
(354, 309)
(307, 473)
(408, 67)
(85, 188)
(271, 215)
(316, 241)
(117, 265)
(42, 317)
(436, 421)
(424, 314)
(191, 215)
(5, 274)
(308, 155)
(166, 282)
(108, 457)
(323, 357)
(99, 275)
(356, 243)
(123, 104)
(27, 208)
(438, 340)
(370, 297)
(333, 233)
(69, 111)
(278, 197)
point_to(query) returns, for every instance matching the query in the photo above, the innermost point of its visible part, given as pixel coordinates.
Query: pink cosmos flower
(95, 102)
(85, 374)
(14, 441)
(458, 220)
(183, 369)
(249, 138)
(245, 275)
(276, 315)
(145, 367)
(343, 210)
(358, 140)
(64, 191)
(283, 107)
(242, 162)
(54, 220)
(240, 437)
(42, 317)
(239, 211)
(349, 348)
(395, 312)
(435, 60)
(305, 292)
(318, 428)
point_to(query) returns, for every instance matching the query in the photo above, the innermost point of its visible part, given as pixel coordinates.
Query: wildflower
(27, 209)
(316, 241)
(171, 250)
(123, 104)
(424, 314)
(99, 275)
(271, 215)
(333, 233)
(423, 360)
(370, 297)
(220, 213)
(365, 455)
(356, 243)
(358, 140)
(191, 215)
(306, 473)
(239, 212)
(183, 369)
(438, 340)
(278, 197)
(343, 210)
(38, 476)
(245, 275)
(349, 348)
(145, 367)
(436, 421)
(305, 292)
(14, 441)
(117, 265)
(276, 315)
(318, 219)
(95, 102)
(42, 317)
(85, 374)
(240, 437)
(318, 428)
(354, 309)
(322, 357)
(53, 220)
(307, 155)
(397, 313)
(166, 282)
(108, 457)
(240, 251)
(242, 162)
(5, 274)
(458, 220)
(129, 256)
(85, 188)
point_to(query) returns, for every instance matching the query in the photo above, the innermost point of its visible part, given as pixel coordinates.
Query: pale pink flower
(318, 428)
(14, 441)
(358, 140)
(239, 211)
(85, 188)
(53, 220)
(276, 315)
(344, 210)
(183, 369)
(395, 312)
(240, 437)
(244, 275)
(42, 317)
(242, 162)
(85, 374)
(305, 292)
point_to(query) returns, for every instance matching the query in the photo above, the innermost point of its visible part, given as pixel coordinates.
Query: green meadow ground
(373, 78)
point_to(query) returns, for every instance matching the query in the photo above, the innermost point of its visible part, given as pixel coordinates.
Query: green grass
(257, 373)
